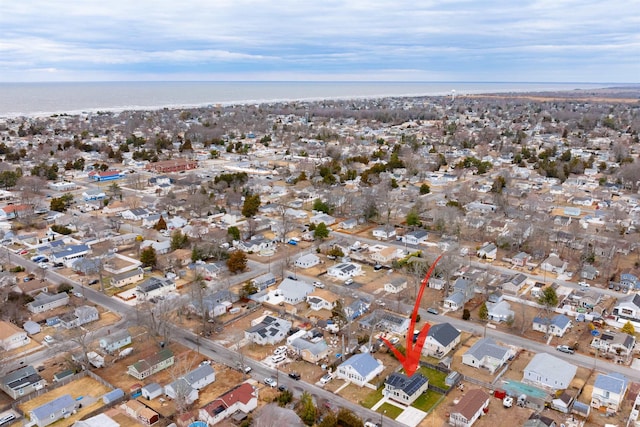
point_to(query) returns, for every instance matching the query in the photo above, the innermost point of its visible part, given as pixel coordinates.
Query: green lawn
(427, 400)
(389, 410)
(436, 377)
(372, 398)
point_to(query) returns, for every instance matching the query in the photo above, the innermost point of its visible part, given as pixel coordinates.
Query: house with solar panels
(404, 389)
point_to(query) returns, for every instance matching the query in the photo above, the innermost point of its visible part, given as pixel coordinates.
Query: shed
(60, 375)
(112, 396)
(31, 327)
(53, 321)
(151, 391)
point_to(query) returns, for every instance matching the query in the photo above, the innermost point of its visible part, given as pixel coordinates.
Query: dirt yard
(84, 387)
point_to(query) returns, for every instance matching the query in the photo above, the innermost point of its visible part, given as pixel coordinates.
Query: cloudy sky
(418, 40)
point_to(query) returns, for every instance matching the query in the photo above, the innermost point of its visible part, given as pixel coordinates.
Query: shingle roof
(487, 347)
(44, 411)
(363, 363)
(443, 333)
(614, 382)
(470, 403)
(407, 384)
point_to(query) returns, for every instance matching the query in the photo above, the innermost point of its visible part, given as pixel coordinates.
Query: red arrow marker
(411, 360)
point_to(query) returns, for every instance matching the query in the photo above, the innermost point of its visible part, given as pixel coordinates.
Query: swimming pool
(516, 388)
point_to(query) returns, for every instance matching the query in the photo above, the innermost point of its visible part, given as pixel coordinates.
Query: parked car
(318, 284)
(278, 358)
(282, 387)
(326, 378)
(348, 282)
(565, 349)
(377, 267)
(280, 350)
(48, 339)
(294, 375)
(432, 311)
(6, 418)
(94, 282)
(270, 381)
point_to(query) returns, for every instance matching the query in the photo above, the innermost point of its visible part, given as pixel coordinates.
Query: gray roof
(444, 333)
(21, 377)
(552, 367)
(116, 336)
(295, 289)
(153, 283)
(315, 348)
(487, 347)
(199, 373)
(363, 363)
(418, 234)
(270, 326)
(126, 274)
(152, 388)
(44, 411)
(614, 382)
(71, 250)
(456, 297)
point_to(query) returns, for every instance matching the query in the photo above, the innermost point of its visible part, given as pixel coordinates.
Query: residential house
(139, 411)
(267, 330)
(307, 261)
(30, 327)
(554, 264)
(46, 301)
(100, 420)
(469, 408)
(53, 411)
(488, 251)
(384, 233)
(589, 272)
(135, 214)
(11, 336)
(93, 194)
(187, 386)
(514, 284)
(294, 291)
(436, 282)
(322, 218)
(615, 343)
(549, 371)
(396, 285)
(149, 366)
(386, 321)
(206, 270)
(215, 304)
(520, 259)
(344, 270)
(356, 309)
(359, 369)
(385, 256)
(256, 244)
(629, 280)
(161, 247)
(463, 291)
(263, 281)
(15, 211)
(486, 353)
(608, 391)
(628, 308)
(500, 311)
(321, 299)
(68, 254)
(115, 341)
(404, 389)
(348, 224)
(441, 339)
(558, 325)
(309, 348)
(155, 287)
(80, 316)
(22, 382)
(537, 420)
(242, 398)
(127, 278)
(415, 237)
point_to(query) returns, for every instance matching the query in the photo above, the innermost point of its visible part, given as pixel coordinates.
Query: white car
(48, 339)
(584, 284)
(318, 285)
(278, 358)
(271, 382)
(326, 378)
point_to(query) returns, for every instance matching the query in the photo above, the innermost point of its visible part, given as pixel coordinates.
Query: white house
(127, 278)
(554, 264)
(53, 410)
(243, 398)
(441, 339)
(294, 291)
(80, 316)
(549, 371)
(628, 308)
(486, 353)
(405, 389)
(12, 336)
(45, 301)
(500, 311)
(68, 254)
(488, 251)
(307, 261)
(608, 391)
(135, 214)
(344, 270)
(359, 369)
(384, 233)
(155, 287)
(321, 299)
(267, 330)
(558, 325)
(385, 255)
(115, 341)
(416, 237)
(469, 408)
(187, 386)
(161, 247)
(396, 285)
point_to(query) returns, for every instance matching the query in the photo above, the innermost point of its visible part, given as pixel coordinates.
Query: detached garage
(31, 327)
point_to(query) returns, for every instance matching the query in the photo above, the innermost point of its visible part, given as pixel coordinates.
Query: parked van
(278, 358)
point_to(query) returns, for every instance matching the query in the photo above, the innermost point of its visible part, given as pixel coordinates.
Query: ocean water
(47, 98)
